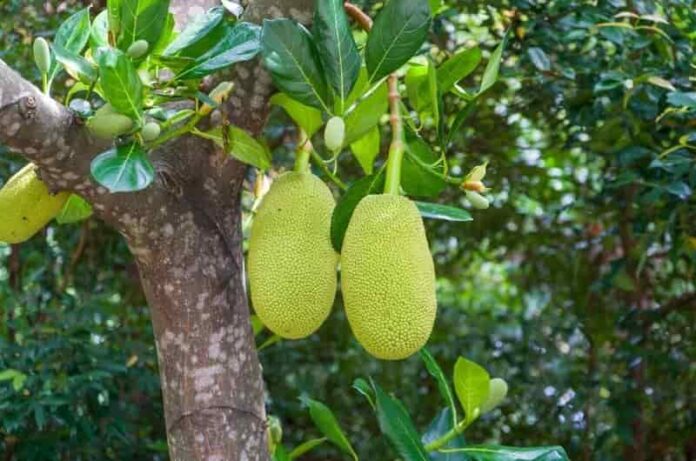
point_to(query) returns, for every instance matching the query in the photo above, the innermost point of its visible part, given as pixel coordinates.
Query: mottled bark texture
(184, 232)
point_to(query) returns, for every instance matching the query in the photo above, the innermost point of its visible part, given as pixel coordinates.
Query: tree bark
(184, 232)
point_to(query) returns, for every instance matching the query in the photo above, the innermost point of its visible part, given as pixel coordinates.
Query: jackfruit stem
(303, 152)
(396, 149)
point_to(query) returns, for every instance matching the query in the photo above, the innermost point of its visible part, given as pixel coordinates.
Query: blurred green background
(577, 286)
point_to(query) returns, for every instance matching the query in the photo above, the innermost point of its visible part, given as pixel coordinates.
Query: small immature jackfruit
(388, 277)
(292, 265)
(26, 206)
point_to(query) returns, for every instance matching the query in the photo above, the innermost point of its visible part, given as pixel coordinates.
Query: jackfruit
(26, 206)
(388, 277)
(292, 265)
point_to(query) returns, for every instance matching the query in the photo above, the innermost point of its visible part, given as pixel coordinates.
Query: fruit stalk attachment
(303, 152)
(396, 149)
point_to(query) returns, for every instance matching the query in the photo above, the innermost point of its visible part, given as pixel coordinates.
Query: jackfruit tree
(151, 115)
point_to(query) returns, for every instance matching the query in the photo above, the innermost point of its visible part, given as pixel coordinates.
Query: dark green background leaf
(399, 31)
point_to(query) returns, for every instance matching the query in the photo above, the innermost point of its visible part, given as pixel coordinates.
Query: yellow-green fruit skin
(291, 263)
(388, 277)
(26, 206)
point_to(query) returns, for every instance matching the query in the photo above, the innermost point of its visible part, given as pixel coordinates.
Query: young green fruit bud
(335, 134)
(151, 131)
(138, 49)
(498, 389)
(109, 126)
(477, 200)
(42, 55)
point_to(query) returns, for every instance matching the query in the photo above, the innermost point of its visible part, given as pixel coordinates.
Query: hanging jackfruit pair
(387, 273)
(27, 206)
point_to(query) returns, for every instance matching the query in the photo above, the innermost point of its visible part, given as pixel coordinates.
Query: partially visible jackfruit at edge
(26, 206)
(291, 263)
(388, 277)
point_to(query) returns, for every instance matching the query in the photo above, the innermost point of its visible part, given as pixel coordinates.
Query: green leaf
(9, 374)
(338, 52)
(76, 209)
(442, 385)
(307, 118)
(439, 426)
(306, 447)
(120, 82)
(502, 453)
(142, 20)
(200, 34)
(241, 145)
(125, 168)
(472, 385)
(113, 9)
(399, 31)
(443, 212)
(457, 67)
(434, 93)
(75, 65)
(680, 99)
(490, 75)
(539, 59)
(366, 149)
(417, 87)
(72, 36)
(346, 206)
(280, 454)
(396, 424)
(291, 57)
(421, 170)
(367, 114)
(327, 424)
(365, 390)
(99, 32)
(497, 393)
(240, 44)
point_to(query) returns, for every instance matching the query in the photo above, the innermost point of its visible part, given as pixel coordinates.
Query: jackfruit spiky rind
(388, 277)
(26, 206)
(291, 263)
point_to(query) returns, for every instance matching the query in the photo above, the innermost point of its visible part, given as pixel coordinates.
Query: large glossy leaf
(503, 453)
(142, 20)
(399, 31)
(305, 447)
(241, 145)
(326, 422)
(75, 65)
(443, 212)
(490, 75)
(421, 169)
(457, 67)
(442, 385)
(472, 386)
(99, 31)
(76, 209)
(439, 426)
(346, 205)
(291, 57)
(120, 82)
(366, 114)
(366, 149)
(124, 168)
(396, 424)
(200, 34)
(72, 36)
(308, 118)
(241, 43)
(338, 52)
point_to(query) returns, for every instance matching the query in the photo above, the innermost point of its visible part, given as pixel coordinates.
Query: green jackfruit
(26, 206)
(388, 277)
(292, 265)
